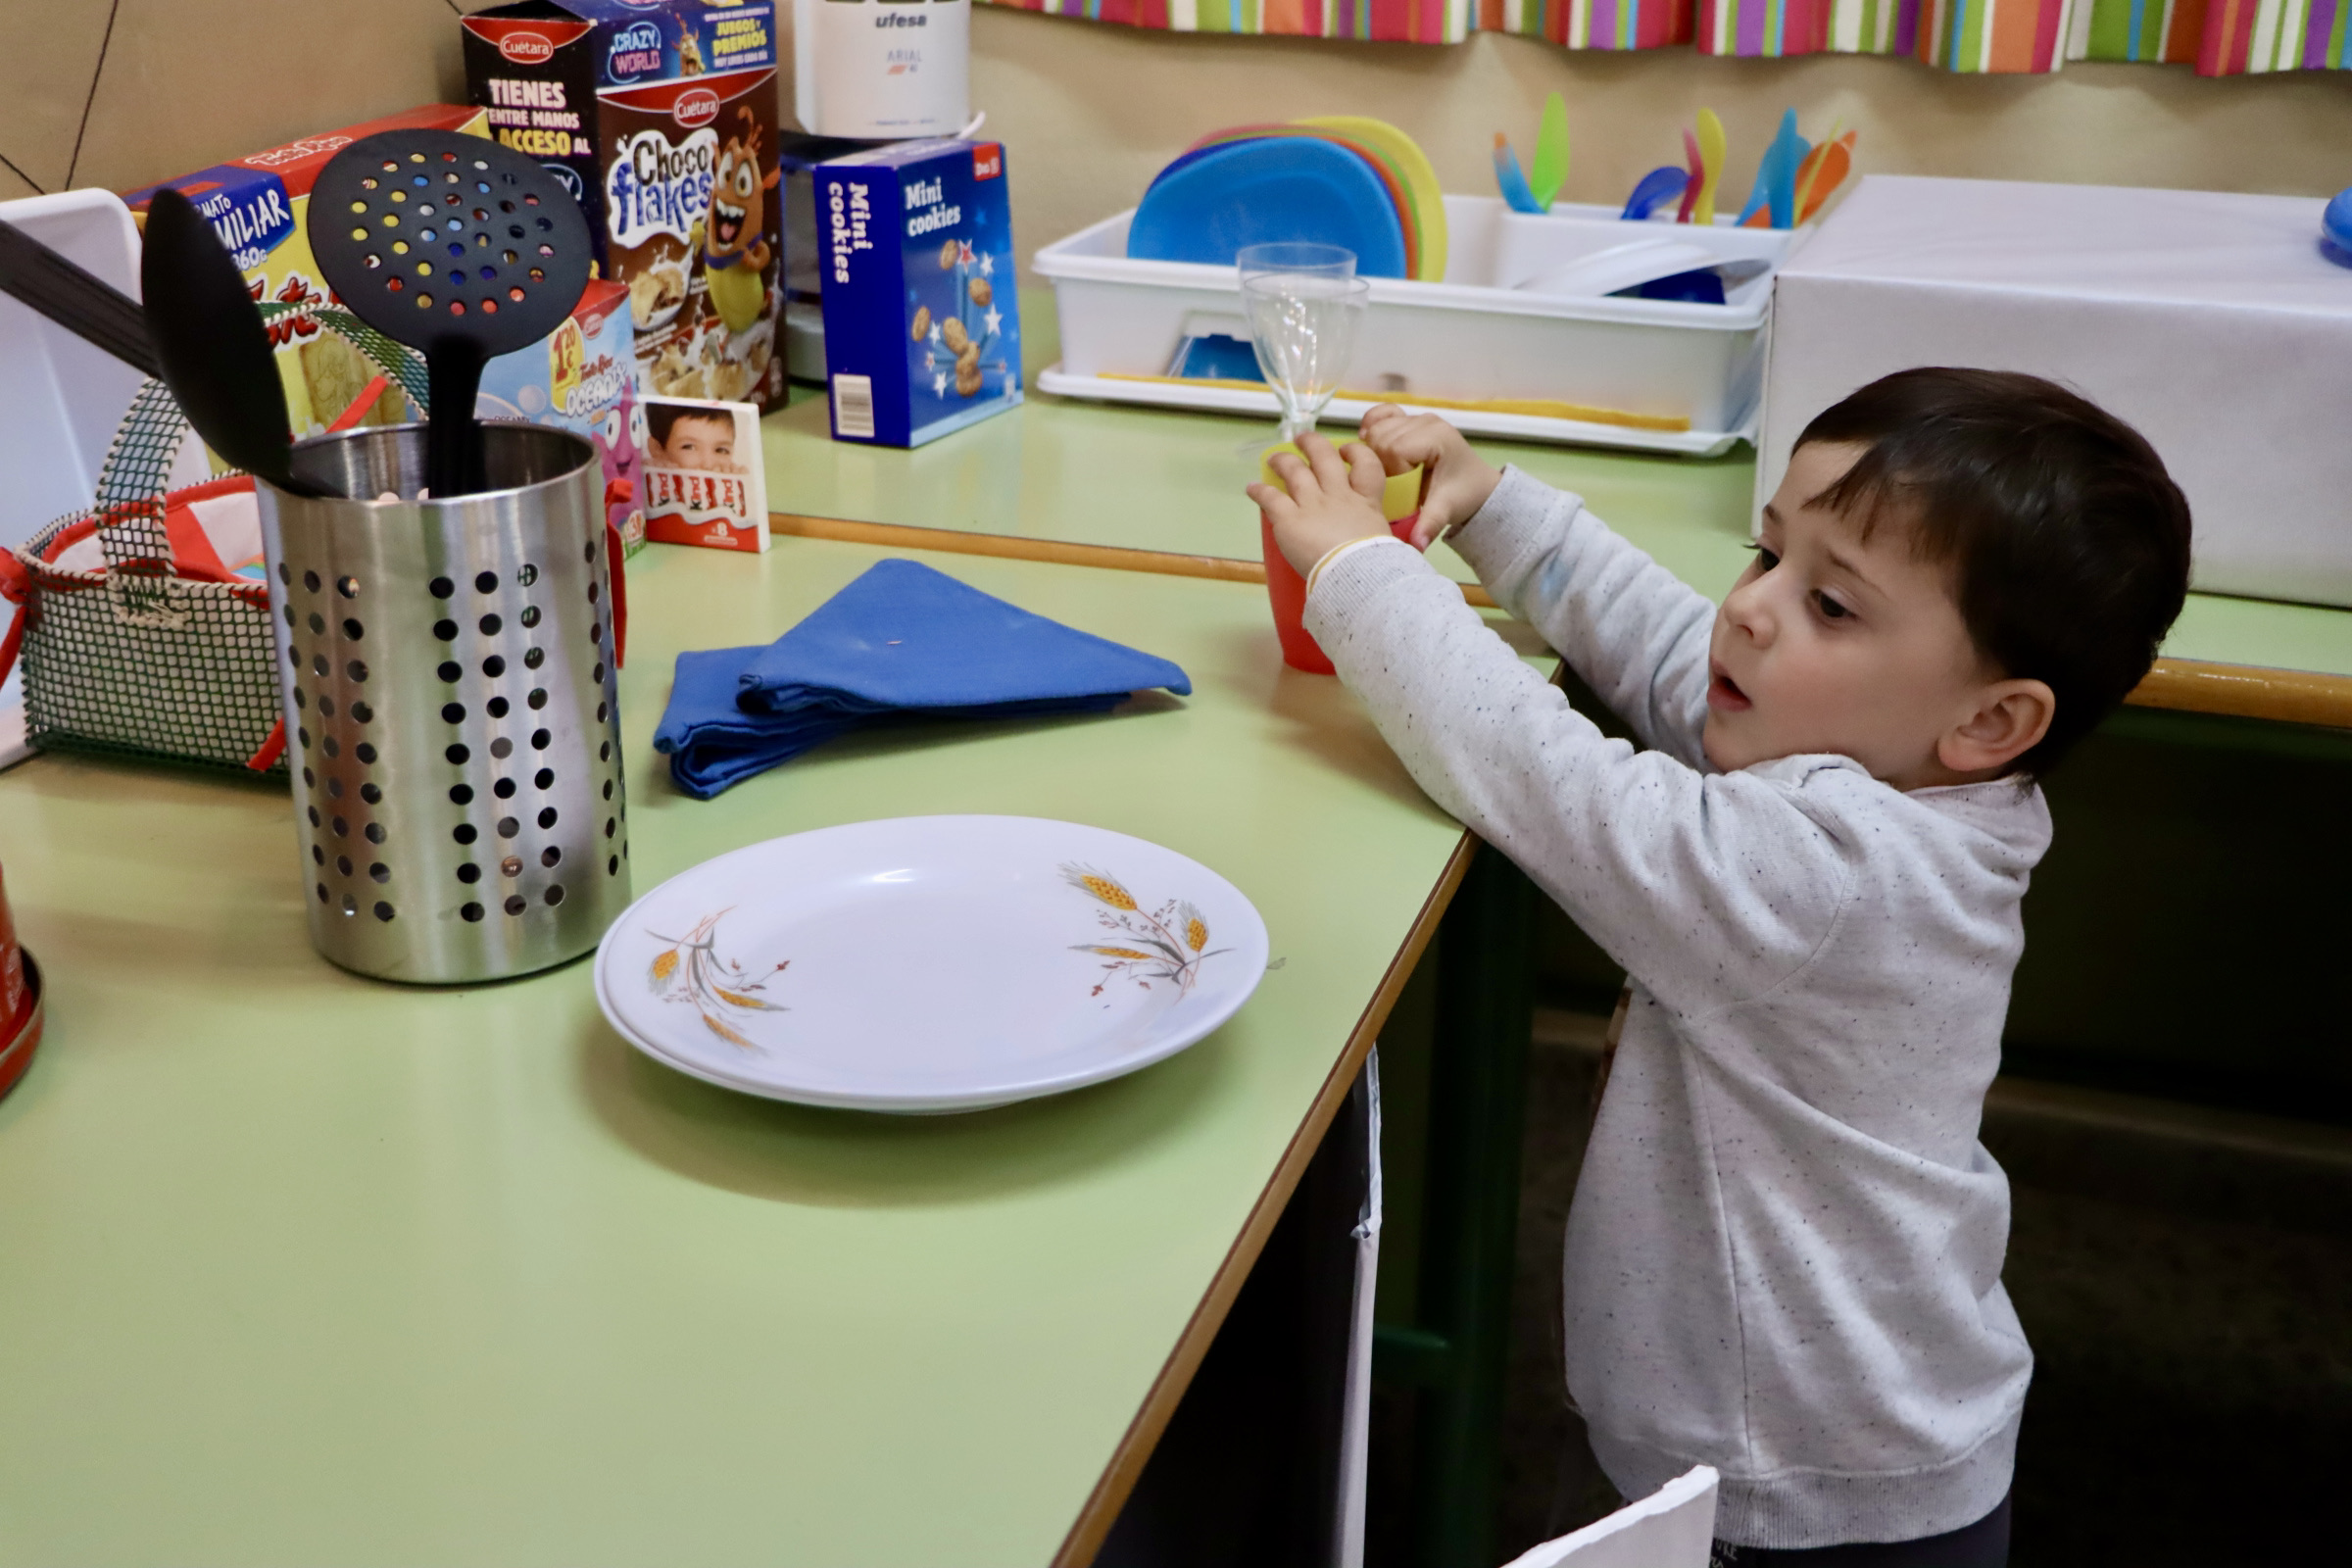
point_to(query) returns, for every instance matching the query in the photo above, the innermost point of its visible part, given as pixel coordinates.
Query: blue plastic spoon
(1654, 190)
(1513, 183)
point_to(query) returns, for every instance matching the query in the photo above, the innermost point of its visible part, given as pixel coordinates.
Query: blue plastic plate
(1207, 205)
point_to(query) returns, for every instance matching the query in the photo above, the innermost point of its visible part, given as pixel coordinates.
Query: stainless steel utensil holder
(451, 703)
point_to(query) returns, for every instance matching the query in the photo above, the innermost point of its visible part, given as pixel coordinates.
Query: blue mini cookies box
(922, 331)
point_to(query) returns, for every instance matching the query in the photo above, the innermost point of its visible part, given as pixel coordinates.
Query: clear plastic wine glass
(1303, 326)
(1295, 256)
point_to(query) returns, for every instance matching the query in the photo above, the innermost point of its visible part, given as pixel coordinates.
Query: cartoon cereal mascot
(735, 255)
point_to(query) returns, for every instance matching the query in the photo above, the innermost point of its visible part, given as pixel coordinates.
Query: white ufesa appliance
(882, 69)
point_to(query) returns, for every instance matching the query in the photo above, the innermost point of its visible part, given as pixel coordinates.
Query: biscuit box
(922, 331)
(582, 379)
(661, 116)
(259, 206)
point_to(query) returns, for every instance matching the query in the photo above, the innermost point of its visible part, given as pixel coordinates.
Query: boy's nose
(1748, 609)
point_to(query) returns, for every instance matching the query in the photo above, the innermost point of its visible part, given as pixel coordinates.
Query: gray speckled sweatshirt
(1785, 1254)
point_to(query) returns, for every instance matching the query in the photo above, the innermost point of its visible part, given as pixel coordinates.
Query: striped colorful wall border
(1592, 23)
(2219, 38)
(2247, 36)
(2153, 31)
(1361, 20)
(2004, 37)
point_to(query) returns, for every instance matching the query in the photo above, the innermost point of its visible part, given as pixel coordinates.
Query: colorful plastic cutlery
(1775, 190)
(1661, 184)
(1710, 152)
(1511, 182)
(1698, 177)
(1549, 172)
(1825, 170)
(1783, 171)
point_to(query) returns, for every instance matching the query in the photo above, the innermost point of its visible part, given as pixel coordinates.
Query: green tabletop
(301, 1268)
(1157, 479)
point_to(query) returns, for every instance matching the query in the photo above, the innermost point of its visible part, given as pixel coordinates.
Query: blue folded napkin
(902, 639)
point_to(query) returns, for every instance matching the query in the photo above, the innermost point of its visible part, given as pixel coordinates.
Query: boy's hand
(1330, 498)
(1455, 480)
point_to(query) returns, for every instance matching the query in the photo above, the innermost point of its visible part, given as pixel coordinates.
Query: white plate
(930, 964)
(1348, 411)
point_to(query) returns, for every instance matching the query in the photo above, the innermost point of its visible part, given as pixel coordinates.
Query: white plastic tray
(1472, 336)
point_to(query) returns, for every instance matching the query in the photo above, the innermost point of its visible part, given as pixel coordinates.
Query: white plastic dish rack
(1475, 337)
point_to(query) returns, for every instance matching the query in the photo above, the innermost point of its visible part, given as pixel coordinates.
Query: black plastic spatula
(210, 341)
(456, 246)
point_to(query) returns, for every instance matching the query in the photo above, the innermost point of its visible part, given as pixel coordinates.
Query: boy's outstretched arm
(1636, 632)
(1712, 888)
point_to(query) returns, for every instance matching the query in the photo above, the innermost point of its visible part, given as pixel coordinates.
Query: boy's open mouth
(1722, 693)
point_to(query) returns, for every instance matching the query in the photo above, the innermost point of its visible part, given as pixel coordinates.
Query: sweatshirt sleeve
(1636, 632)
(1710, 889)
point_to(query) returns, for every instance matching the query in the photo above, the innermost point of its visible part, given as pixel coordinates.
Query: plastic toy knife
(1710, 152)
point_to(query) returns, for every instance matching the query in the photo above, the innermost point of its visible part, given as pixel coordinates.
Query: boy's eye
(1831, 609)
(1766, 556)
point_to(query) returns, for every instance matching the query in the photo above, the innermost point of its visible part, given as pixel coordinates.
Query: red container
(20, 1001)
(13, 1000)
(1288, 591)
(27, 1036)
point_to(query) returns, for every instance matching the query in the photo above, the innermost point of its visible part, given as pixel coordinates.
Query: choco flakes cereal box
(922, 330)
(259, 208)
(661, 116)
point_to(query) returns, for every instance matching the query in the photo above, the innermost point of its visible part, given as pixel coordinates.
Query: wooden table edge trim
(2248, 691)
(1143, 1433)
(2181, 685)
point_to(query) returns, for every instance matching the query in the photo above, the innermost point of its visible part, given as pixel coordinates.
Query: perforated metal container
(451, 707)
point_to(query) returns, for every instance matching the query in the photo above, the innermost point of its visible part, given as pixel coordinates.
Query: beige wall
(1091, 112)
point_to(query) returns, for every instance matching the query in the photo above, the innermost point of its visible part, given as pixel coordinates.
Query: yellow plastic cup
(1400, 497)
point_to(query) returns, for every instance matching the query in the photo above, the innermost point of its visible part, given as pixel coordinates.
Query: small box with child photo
(702, 479)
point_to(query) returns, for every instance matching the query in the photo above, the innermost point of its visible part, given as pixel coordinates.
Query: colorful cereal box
(704, 484)
(922, 333)
(661, 115)
(582, 379)
(259, 206)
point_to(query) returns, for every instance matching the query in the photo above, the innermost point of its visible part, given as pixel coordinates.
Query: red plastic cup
(1287, 589)
(14, 1002)
(19, 1003)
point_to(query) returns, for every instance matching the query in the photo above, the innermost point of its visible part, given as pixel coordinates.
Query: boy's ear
(2010, 718)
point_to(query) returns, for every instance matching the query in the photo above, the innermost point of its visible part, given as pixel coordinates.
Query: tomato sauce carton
(259, 208)
(661, 116)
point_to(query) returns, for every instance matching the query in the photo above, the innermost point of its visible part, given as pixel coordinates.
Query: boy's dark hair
(2067, 541)
(662, 417)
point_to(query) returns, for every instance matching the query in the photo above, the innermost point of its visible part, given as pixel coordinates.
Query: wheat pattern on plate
(1169, 943)
(690, 971)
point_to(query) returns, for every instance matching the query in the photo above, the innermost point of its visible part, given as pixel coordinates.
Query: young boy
(686, 437)
(1784, 1257)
